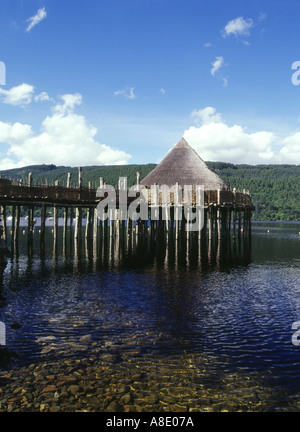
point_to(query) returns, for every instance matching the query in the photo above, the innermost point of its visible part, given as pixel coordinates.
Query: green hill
(275, 189)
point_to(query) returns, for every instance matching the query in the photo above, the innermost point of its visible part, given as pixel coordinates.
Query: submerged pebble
(106, 383)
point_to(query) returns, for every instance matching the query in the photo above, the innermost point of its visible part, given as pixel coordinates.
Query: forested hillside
(275, 189)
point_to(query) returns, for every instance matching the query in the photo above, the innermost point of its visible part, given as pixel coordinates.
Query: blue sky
(121, 81)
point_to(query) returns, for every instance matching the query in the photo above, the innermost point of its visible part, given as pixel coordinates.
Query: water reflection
(164, 252)
(166, 273)
(232, 300)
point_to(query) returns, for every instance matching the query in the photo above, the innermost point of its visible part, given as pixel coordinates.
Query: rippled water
(233, 302)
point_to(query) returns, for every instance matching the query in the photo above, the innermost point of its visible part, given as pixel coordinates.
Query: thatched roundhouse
(183, 165)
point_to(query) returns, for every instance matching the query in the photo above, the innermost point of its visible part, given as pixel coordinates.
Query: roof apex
(182, 144)
(184, 166)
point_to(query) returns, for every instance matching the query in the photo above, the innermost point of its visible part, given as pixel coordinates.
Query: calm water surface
(234, 303)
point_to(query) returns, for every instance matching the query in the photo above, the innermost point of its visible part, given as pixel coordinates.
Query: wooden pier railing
(221, 209)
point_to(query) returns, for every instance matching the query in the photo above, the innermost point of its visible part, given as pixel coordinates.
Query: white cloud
(162, 91)
(18, 95)
(14, 133)
(22, 95)
(206, 115)
(216, 65)
(65, 139)
(214, 140)
(69, 103)
(36, 19)
(127, 93)
(238, 26)
(42, 97)
(225, 82)
(290, 150)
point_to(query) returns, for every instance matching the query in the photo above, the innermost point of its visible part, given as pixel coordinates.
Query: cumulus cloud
(290, 150)
(65, 139)
(36, 19)
(206, 115)
(238, 27)
(42, 97)
(214, 140)
(69, 103)
(18, 95)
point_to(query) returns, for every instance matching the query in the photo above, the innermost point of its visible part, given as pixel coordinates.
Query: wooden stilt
(55, 227)
(17, 224)
(30, 224)
(210, 222)
(43, 223)
(66, 211)
(95, 224)
(78, 219)
(87, 224)
(3, 218)
(13, 222)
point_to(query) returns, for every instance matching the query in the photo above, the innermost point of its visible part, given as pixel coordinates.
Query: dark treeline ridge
(275, 189)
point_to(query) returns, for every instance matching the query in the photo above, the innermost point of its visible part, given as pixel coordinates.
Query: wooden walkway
(223, 210)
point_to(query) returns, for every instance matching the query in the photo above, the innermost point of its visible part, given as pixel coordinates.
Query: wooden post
(218, 213)
(30, 224)
(79, 177)
(17, 224)
(13, 222)
(111, 223)
(30, 179)
(43, 222)
(188, 222)
(69, 180)
(210, 222)
(200, 210)
(3, 218)
(95, 224)
(78, 219)
(55, 213)
(87, 224)
(177, 204)
(66, 213)
(205, 223)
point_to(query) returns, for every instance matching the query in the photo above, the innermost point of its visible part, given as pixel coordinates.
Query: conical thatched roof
(183, 165)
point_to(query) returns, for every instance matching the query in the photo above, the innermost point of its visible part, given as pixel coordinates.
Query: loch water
(231, 303)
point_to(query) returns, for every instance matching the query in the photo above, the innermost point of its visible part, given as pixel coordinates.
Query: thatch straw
(183, 165)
